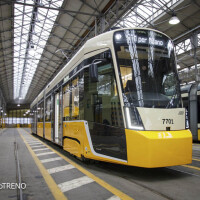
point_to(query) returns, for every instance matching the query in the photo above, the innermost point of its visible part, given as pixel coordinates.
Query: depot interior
(38, 38)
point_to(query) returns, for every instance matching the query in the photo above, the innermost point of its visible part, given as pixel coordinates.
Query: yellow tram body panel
(76, 141)
(73, 133)
(158, 148)
(198, 134)
(48, 130)
(40, 129)
(148, 149)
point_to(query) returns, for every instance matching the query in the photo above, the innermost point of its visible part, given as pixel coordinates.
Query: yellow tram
(118, 100)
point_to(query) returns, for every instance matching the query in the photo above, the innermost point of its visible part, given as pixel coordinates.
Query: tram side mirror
(93, 72)
(94, 68)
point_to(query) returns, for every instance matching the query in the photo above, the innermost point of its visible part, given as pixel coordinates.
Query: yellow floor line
(192, 167)
(55, 190)
(104, 184)
(195, 159)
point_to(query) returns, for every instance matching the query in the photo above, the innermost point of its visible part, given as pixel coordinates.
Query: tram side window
(81, 96)
(32, 117)
(101, 98)
(40, 112)
(48, 109)
(35, 114)
(75, 98)
(66, 102)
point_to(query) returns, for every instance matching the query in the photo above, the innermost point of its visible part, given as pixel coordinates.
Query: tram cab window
(147, 69)
(101, 98)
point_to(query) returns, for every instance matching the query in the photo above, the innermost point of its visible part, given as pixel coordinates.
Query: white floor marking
(41, 149)
(60, 169)
(50, 159)
(31, 143)
(75, 183)
(46, 153)
(114, 198)
(39, 145)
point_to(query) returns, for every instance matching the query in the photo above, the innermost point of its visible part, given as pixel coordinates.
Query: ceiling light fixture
(174, 19)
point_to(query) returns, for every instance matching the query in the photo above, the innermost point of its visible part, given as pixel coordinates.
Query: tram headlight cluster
(131, 123)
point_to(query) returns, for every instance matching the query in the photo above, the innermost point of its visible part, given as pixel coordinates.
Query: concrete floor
(36, 187)
(74, 179)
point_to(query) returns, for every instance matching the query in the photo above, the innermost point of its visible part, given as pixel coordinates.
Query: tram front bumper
(153, 149)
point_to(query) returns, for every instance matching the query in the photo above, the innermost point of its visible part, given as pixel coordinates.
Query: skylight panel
(38, 29)
(145, 12)
(56, 3)
(42, 27)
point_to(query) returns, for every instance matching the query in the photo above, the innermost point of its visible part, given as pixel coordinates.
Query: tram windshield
(147, 69)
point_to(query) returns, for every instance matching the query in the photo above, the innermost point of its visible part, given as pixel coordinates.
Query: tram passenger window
(73, 95)
(75, 99)
(40, 112)
(102, 103)
(81, 96)
(66, 102)
(48, 109)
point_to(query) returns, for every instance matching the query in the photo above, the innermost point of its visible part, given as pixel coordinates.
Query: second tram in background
(118, 100)
(191, 101)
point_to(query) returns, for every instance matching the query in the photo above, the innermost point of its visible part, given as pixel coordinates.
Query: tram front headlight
(133, 119)
(118, 36)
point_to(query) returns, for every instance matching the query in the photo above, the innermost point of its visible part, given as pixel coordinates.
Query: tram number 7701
(168, 121)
